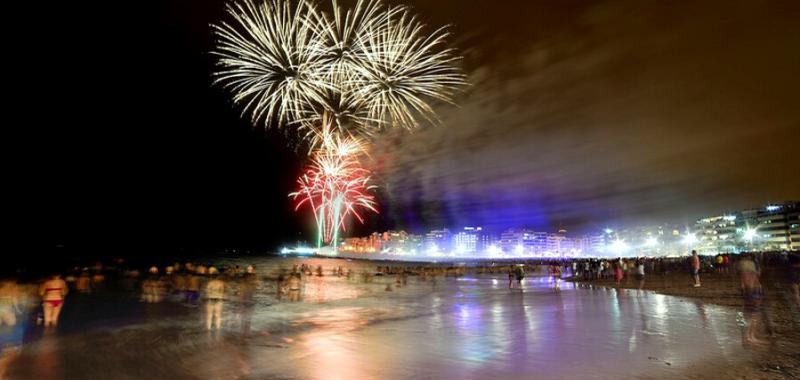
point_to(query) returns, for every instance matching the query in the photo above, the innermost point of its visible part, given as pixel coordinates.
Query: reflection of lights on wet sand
(330, 345)
(319, 289)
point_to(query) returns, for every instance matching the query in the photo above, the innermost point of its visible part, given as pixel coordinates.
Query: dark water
(472, 327)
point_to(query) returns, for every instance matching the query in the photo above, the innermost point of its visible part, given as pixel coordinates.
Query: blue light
(773, 208)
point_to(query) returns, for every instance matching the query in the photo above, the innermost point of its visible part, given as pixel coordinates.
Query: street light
(750, 234)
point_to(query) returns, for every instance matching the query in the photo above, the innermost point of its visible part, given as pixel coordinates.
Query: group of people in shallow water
(196, 285)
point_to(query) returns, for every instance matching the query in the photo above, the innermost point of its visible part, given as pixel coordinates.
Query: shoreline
(780, 357)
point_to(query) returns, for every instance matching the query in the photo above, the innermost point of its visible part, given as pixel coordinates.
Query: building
(718, 234)
(774, 229)
(438, 241)
(470, 240)
(793, 218)
(771, 227)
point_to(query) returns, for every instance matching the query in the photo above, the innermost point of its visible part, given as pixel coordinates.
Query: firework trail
(335, 186)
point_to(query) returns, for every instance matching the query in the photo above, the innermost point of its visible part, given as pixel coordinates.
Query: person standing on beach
(618, 273)
(519, 274)
(52, 292)
(294, 283)
(696, 268)
(640, 272)
(215, 295)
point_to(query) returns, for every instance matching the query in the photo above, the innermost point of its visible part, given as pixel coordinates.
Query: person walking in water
(52, 292)
(294, 287)
(519, 274)
(696, 268)
(215, 294)
(9, 300)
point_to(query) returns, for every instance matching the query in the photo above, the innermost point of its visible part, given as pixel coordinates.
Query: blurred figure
(10, 341)
(148, 290)
(753, 297)
(215, 295)
(280, 283)
(52, 292)
(519, 275)
(696, 268)
(794, 277)
(294, 287)
(84, 284)
(640, 273)
(618, 274)
(726, 263)
(247, 287)
(98, 277)
(9, 302)
(192, 289)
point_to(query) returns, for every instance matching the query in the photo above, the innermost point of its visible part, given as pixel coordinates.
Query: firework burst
(337, 79)
(365, 68)
(335, 186)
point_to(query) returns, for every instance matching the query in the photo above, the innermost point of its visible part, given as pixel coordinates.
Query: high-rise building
(438, 241)
(470, 240)
(770, 227)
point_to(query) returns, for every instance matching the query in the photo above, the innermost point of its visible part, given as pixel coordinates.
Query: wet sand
(780, 359)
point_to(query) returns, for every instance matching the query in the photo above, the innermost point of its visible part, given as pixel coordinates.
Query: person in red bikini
(52, 292)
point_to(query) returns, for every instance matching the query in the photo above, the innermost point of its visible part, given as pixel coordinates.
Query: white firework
(405, 69)
(268, 59)
(359, 70)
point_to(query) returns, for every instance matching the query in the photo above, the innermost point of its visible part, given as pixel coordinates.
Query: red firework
(335, 186)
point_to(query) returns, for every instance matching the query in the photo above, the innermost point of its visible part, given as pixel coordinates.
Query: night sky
(579, 114)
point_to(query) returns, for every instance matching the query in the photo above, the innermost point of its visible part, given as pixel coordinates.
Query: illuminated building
(438, 241)
(470, 241)
(770, 227)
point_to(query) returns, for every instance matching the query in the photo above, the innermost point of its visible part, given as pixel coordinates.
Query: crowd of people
(215, 288)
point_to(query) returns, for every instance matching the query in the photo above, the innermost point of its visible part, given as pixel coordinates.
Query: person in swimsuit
(52, 292)
(753, 298)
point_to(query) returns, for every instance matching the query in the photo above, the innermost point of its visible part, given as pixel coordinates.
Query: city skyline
(773, 226)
